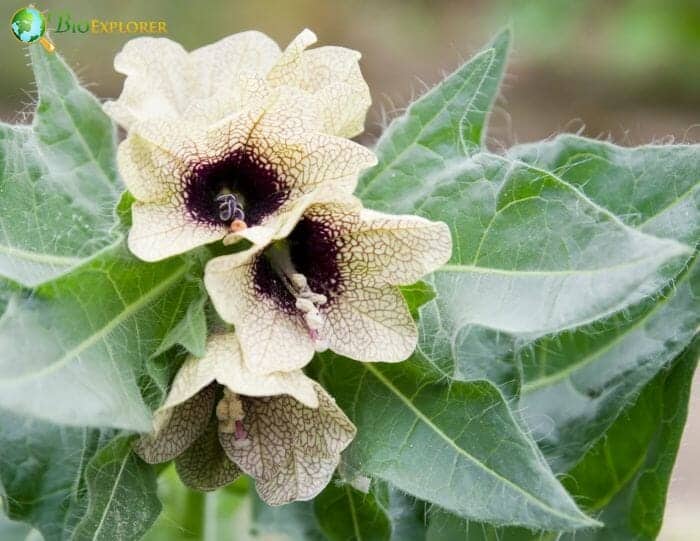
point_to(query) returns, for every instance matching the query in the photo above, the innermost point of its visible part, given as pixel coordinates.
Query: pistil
(231, 415)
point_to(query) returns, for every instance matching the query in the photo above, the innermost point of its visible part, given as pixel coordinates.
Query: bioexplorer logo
(28, 25)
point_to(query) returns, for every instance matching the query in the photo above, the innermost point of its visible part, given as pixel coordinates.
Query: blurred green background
(628, 70)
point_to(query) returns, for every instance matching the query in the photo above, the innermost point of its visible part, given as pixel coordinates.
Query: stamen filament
(307, 301)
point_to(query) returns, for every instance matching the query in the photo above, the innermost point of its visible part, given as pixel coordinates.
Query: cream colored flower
(249, 175)
(330, 284)
(282, 429)
(210, 83)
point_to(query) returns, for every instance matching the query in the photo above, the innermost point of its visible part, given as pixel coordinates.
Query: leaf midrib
(111, 495)
(89, 152)
(422, 417)
(353, 513)
(38, 257)
(535, 384)
(457, 267)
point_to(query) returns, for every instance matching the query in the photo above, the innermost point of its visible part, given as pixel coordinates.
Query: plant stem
(210, 504)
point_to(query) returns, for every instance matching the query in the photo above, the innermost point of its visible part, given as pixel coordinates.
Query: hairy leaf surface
(479, 465)
(446, 123)
(74, 483)
(346, 513)
(76, 348)
(58, 179)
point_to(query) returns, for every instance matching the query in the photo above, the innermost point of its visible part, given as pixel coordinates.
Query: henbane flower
(249, 175)
(220, 419)
(330, 284)
(207, 84)
(238, 154)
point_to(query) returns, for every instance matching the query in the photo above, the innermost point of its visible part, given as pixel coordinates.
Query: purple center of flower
(220, 190)
(313, 253)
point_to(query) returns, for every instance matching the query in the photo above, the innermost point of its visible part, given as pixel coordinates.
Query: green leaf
(532, 256)
(75, 350)
(628, 471)
(191, 331)
(576, 383)
(417, 295)
(45, 491)
(74, 483)
(345, 513)
(454, 444)
(653, 188)
(444, 526)
(58, 179)
(408, 516)
(121, 494)
(123, 209)
(292, 522)
(532, 235)
(446, 123)
(624, 477)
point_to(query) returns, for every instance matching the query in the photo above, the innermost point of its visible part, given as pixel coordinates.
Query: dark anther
(229, 208)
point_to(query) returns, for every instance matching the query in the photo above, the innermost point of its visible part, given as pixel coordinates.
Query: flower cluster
(242, 141)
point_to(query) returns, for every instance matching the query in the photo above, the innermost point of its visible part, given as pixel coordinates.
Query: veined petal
(329, 283)
(246, 92)
(223, 363)
(370, 324)
(217, 66)
(163, 230)
(164, 81)
(272, 338)
(291, 450)
(343, 109)
(332, 161)
(204, 465)
(290, 62)
(149, 90)
(286, 112)
(399, 250)
(376, 249)
(151, 172)
(327, 65)
(333, 75)
(367, 319)
(298, 479)
(175, 429)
